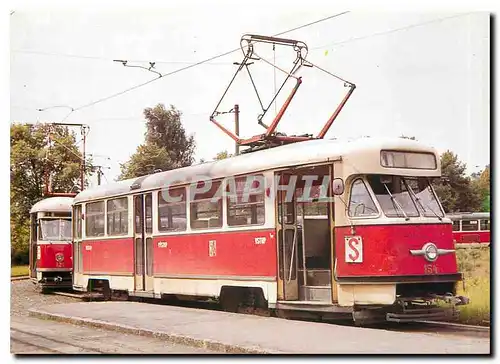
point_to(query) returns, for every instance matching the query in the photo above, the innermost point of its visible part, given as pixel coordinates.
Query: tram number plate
(353, 249)
(260, 241)
(430, 269)
(212, 248)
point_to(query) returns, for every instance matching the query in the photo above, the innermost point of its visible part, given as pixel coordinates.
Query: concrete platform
(240, 333)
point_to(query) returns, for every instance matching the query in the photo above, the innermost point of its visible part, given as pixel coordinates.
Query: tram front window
(55, 229)
(405, 197)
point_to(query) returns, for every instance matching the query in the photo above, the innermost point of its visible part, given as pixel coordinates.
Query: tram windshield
(405, 196)
(55, 229)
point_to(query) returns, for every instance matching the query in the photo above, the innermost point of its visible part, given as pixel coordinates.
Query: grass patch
(19, 270)
(474, 263)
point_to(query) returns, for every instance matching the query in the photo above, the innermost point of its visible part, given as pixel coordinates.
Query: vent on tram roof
(137, 183)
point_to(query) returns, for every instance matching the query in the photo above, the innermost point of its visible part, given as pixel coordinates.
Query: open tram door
(143, 242)
(33, 245)
(305, 232)
(286, 226)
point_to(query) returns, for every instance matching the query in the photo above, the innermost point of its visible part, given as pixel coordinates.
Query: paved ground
(233, 332)
(34, 336)
(24, 295)
(31, 335)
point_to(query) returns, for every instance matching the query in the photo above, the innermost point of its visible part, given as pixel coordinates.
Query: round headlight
(431, 252)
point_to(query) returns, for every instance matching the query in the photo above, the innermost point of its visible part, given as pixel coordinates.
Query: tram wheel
(45, 290)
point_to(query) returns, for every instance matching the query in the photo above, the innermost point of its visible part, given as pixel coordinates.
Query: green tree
(457, 193)
(222, 155)
(30, 159)
(481, 182)
(146, 160)
(166, 146)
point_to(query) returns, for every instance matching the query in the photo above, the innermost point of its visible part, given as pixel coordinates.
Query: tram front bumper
(446, 312)
(432, 314)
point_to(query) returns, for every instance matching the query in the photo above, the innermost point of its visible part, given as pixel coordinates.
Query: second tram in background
(51, 261)
(471, 229)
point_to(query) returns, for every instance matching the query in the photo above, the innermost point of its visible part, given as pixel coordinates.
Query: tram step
(316, 293)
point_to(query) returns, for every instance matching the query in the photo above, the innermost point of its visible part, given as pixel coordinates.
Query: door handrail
(293, 251)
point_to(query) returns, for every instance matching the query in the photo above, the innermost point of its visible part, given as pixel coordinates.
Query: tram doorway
(143, 242)
(305, 234)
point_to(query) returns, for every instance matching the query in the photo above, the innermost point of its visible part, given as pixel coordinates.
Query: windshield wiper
(395, 202)
(408, 187)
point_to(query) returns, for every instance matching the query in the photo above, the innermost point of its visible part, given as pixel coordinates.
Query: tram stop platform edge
(238, 333)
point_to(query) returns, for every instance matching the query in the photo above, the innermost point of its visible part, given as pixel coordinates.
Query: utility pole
(237, 128)
(83, 129)
(82, 173)
(99, 172)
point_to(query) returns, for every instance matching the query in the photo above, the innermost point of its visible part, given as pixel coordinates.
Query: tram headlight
(431, 252)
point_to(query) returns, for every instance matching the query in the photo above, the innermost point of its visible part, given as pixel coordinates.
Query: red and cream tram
(51, 252)
(322, 227)
(471, 229)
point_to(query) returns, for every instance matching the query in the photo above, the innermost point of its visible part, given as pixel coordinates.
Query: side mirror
(337, 186)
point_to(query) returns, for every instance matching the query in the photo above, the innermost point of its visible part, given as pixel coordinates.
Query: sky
(423, 74)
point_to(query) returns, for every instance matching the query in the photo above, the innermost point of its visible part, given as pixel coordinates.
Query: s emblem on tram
(353, 249)
(59, 257)
(431, 252)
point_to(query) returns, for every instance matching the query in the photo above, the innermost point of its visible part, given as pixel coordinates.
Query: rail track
(41, 344)
(20, 278)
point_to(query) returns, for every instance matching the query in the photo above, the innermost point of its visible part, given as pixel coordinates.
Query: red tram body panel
(235, 254)
(111, 256)
(387, 251)
(55, 256)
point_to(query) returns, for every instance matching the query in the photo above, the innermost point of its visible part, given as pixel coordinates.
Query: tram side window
(205, 207)
(456, 225)
(117, 216)
(245, 201)
(361, 203)
(77, 221)
(485, 225)
(469, 225)
(172, 210)
(94, 219)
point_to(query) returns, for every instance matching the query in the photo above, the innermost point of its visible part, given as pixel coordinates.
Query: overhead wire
(194, 65)
(27, 51)
(391, 31)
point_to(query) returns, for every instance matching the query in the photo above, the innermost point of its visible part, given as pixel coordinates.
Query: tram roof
(53, 204)
(307, 152)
